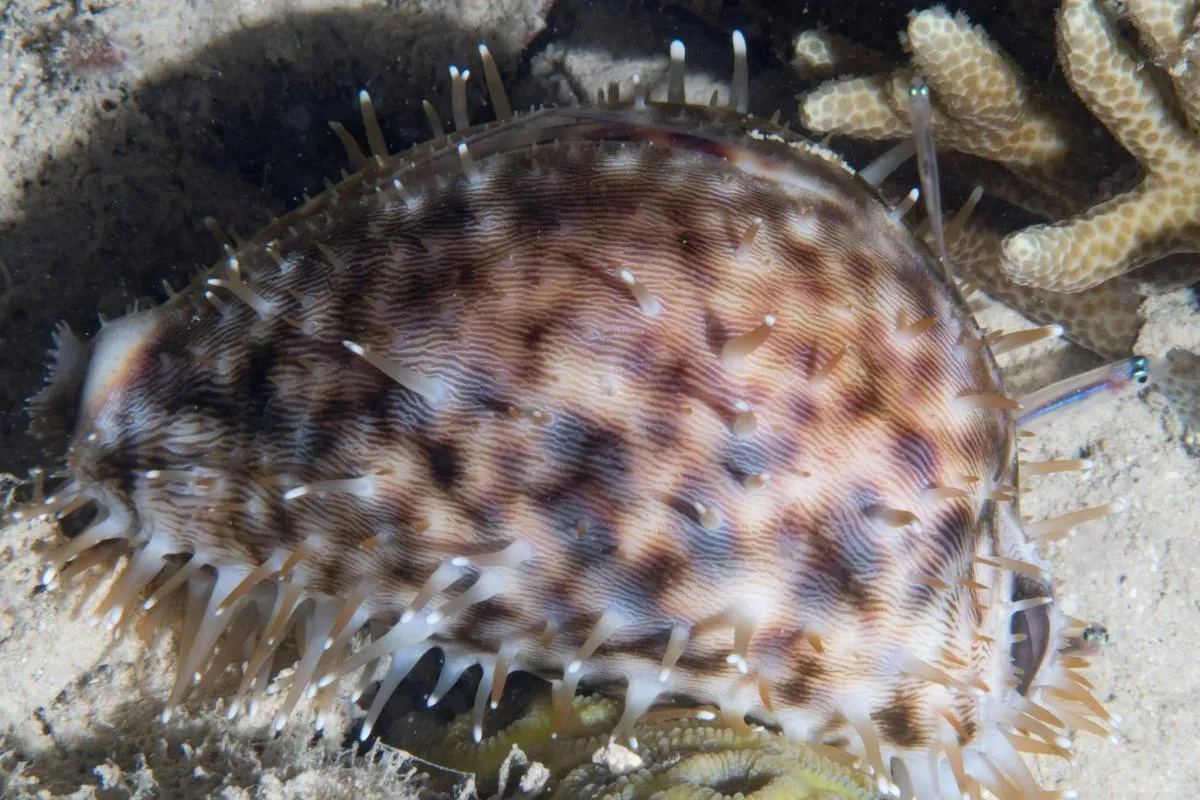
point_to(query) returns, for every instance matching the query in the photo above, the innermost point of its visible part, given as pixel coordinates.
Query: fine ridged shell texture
(649, 398)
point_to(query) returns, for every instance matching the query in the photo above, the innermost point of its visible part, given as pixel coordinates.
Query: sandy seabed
(111, 157)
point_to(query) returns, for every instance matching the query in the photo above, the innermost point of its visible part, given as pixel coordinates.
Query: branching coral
(984, 107)
(1162, 214)
(987, 108)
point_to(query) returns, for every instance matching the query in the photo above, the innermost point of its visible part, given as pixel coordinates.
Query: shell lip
(1032, 630)
(114, 355)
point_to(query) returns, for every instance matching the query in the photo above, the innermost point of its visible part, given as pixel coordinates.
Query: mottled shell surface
(655, 399)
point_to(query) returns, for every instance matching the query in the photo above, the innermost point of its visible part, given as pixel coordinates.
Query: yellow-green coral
(676, 759)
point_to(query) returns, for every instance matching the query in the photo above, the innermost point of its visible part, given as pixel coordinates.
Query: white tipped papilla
(489, 584)
(287, 598)
(501, 667)
(1030, 602)
(757, 481)
(482, 692)
(955, 227)
(1059, 527)
(562, 697)
(468, 163)
(936, 494)
(918, 780)
(272, 252)
(747, 241)
(737, 701)
(175, 475)
(1010, 564)
(408, 197)
(435, 122)
(1023, 721)
(1073, 693)
(218, 233)
(202, 626)
(233, 650)
(744, 625)
(59, 504)
(675, 90)
(402, 663)
(744, 422)
(1007, 342)
(142, 568)
(640, 694)
(495, 86)
(986, 774)
(168, 587)
(323, 706)
(1029, 468)
(902, 208)
(909, 331)
(986, 401)
(431, 389)
(234, 285)
(549, 634)
(354, 153)
(1025, 744)
(37, 476)
(446, 573)
(609, 623)
(739, 98)
(247, 584)
(738, 349)
(316, 629)
(856, 713)
(709, 517)
(371, 125)
(332, 258)
(950, 730)
(1071, 718)
(454, 664)
(515, 554)
(350, 613)
(365, 679)
(928, 672)
(458, 97)
(895, 517)
(113, 555)
(676, 643)
(648, 303)
(878, 170)
(302, 551)
(639, 93)
(363, 486)
(401, 635)
(829, 367)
